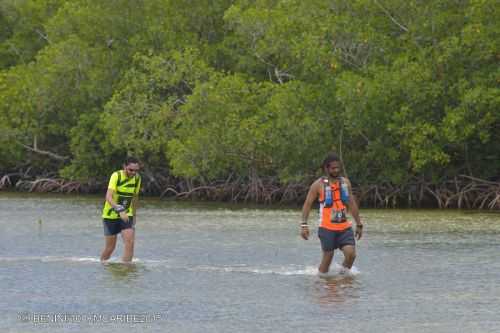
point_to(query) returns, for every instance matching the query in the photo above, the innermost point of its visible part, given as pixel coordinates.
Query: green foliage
(90, 161)
(251, 88)
(23, 32)
(221, 129)
(139, 117)
(301, 130)
(279, 40)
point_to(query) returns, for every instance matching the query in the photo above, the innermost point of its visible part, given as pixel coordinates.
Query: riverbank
(460, 192)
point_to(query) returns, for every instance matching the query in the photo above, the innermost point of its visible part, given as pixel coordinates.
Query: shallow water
(222, 268)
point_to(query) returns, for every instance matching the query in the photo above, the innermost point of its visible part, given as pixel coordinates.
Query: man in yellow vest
(120, 207)
(334, 194)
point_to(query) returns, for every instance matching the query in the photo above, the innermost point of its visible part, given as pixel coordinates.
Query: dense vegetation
(241, 100)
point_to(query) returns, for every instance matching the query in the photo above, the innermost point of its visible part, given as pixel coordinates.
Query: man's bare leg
(128, 236)
(325, 262)
(109, 247)
(349, 256)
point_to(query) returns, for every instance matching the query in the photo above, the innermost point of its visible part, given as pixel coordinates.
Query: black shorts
(115, 226)
(331, 240)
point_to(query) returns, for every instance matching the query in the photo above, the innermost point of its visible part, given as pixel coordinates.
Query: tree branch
(41, 34)
(405, 29)
(44, 152)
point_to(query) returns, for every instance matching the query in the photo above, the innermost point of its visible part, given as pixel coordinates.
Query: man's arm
(353, 209)
(112, 189)
(312, 195)
(134, 205)
(109, 197)
(116, 207)
(135, 200)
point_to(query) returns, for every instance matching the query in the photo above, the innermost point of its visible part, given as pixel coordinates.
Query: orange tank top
(334, 217)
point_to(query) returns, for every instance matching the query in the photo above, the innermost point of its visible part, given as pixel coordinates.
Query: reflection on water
(335, 289)
(120, 271)
(337, 286)
(40, 229)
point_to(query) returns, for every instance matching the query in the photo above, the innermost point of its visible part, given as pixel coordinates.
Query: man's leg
(349, 255)
(128, 236)
(325, 262)
(109, 247)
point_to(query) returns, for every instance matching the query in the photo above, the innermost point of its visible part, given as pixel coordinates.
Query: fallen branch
(44, 152)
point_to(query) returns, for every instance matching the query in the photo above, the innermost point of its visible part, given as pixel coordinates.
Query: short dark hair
(332, 157)
(131, 159)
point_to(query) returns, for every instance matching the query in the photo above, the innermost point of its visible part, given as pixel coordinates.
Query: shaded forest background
(241, 100)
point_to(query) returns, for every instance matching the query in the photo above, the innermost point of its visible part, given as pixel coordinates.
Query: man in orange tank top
(335, 197)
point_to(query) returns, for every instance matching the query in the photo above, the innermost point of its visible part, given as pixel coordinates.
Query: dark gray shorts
(115, 226)
(331, 240)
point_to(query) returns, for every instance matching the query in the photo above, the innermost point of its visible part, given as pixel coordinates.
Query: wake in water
(73, 260)
(289, 270)
(335, 270)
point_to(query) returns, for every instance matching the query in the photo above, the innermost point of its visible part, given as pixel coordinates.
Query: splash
(281, 270)
(337, 269)
(284, 270)
(48, 259)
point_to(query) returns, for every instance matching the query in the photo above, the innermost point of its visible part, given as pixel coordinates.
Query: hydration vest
(126, 189)
(333, 199)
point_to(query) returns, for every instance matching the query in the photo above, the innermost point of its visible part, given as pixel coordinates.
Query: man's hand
(124, 216)
(359, 231)
(122, 211)
(304, 231)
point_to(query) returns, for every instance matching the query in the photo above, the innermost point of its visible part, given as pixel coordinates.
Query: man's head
(332, 165)
(131, 166)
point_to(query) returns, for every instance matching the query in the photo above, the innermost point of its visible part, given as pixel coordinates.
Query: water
(221, 268)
